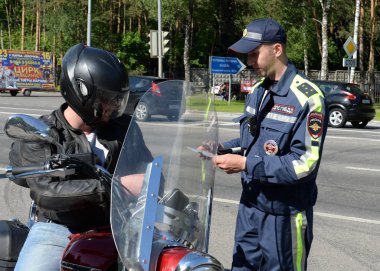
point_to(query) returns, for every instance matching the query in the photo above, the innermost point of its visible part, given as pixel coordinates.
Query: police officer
(282, 132)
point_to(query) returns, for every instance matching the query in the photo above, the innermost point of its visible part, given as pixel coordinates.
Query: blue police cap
(258, 32)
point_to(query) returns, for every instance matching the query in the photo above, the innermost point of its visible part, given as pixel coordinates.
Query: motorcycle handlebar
(24, 169)
(36, 171)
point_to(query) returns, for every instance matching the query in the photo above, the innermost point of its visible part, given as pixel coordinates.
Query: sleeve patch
(307, 89)
(315, 124)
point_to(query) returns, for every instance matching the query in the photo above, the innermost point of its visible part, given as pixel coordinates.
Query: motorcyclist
(94, 84)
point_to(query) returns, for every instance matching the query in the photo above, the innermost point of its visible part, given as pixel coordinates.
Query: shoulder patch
(315, 124)
(307, 89)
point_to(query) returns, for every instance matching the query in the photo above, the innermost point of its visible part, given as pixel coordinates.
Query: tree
(188, 34)
(38, 25)
(22, 24)
(371, 65)
(326, 5)
(356, 31)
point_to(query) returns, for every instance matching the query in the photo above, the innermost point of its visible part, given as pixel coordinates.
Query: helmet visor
(109, 105)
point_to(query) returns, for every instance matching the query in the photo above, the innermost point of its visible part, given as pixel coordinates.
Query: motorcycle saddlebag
(12, 237)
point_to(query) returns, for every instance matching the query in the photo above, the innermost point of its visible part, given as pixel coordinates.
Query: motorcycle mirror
(28, 129)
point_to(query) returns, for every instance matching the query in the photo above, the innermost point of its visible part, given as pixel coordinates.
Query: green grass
(233, 107)
(377, 106)
(200, 102)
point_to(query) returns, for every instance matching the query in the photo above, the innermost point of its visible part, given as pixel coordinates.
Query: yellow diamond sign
(349, 46)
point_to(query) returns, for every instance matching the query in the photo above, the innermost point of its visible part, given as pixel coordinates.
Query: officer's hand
(230, 163)
(207, 147)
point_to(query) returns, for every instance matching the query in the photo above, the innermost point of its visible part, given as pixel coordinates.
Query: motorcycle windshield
(162, 187)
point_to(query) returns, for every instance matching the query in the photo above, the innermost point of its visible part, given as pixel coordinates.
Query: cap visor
(244, 46)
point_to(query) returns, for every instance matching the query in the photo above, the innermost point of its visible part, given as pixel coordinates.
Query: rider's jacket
(282, 133)
(81, 201)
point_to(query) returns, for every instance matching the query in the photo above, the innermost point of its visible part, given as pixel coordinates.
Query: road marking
(13, 113)
(341, 217)
(353, 138)
(353, 131)
(32, 109)
(365, 169)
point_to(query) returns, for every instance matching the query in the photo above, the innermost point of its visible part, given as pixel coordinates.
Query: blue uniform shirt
(284, 152)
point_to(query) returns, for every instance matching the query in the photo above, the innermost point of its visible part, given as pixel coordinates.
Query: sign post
(225, 65)
(350, 48)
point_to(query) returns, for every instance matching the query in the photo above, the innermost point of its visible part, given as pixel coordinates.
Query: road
(347, 214)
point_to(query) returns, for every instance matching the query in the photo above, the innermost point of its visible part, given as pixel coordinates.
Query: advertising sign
(20, 69)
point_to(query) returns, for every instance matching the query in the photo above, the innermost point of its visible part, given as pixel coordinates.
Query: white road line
(341, 217)
(12, 113)
(364, 169)
(362, 131)
(32, 109)
(353, 138)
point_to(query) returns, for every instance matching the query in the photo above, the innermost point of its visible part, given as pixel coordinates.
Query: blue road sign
(226, 65)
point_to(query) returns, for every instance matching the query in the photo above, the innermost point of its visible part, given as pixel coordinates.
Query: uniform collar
(283, 85)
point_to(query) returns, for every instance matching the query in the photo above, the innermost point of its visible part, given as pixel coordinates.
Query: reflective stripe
(257, 84)
(282, 118)
(252, 35)
(302, 98)
(251, 110)
(309, 159)
(299, 225)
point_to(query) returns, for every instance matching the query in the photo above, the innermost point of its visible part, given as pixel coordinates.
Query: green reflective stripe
(203, 167)
(302, 98)
(300, 248)
(309, 159)
(297, 81)
(257, 84)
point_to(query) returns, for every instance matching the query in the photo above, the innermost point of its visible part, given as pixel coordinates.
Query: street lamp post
(159, 37)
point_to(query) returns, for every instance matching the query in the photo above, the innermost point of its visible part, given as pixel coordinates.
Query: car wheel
(337, 118)
(27, 92)
(13, 92)
(142, 112)
(359, 124)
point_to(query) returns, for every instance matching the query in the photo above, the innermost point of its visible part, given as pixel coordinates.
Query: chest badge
(271, 147)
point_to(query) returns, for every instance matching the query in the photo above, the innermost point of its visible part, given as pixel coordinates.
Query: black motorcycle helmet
(94, 82)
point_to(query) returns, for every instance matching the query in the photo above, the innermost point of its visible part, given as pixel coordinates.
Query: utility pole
(160, 51)
(89, 24)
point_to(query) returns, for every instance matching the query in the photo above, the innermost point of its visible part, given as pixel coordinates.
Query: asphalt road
(347, 214)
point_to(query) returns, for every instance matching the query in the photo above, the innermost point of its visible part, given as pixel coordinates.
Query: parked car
(138, 85)
(347, 102)
(156, 97)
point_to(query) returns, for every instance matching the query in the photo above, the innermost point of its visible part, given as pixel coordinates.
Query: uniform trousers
(268, 242)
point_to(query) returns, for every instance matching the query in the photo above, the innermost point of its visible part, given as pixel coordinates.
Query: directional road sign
(225, 65)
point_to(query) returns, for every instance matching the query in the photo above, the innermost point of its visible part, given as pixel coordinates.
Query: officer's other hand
(230, 163)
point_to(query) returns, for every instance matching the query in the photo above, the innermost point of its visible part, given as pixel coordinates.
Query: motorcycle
(161, 206)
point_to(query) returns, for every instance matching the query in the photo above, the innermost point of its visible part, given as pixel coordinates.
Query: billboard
(22, 69)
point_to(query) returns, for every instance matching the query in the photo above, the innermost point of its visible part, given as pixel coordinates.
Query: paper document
(202, 152)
